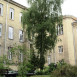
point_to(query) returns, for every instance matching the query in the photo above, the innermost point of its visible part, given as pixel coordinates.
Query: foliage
(52, 67)
(45, 71)
(2, 66)
(33, 62)
(30, 61)
(22, 66)
(41, 19)
(65, 71)
(60, 63)
(41, 76)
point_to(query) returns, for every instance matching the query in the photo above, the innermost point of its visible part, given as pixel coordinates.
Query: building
(11, 31)
(67, 48)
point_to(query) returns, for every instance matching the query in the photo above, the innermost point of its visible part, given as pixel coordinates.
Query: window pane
(49, 58)
(0, 29)
(61, 29)
(10, 32)
(11, 13)
(20, 17)
(20, 56)
(20, 35)
(60, 48)
(1, 9)
(9, 54)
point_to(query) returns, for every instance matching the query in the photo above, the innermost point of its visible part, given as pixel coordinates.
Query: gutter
(6, 31)
(54, 55)
(74, 41)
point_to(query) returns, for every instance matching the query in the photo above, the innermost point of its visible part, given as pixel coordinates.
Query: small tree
(28, 64)
(22, 66)
(34, 61)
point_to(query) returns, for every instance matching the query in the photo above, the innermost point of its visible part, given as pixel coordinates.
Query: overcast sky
(69, 7)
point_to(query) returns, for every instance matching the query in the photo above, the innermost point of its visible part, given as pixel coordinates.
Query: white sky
(68, 8)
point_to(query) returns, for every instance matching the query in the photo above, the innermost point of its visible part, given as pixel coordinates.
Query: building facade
(66, 48)
(11, 31)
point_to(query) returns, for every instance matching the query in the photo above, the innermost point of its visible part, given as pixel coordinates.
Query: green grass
(41, 76)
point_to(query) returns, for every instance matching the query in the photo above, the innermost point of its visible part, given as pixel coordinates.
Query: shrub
(52, 67)
(65, 71)
(45, 71)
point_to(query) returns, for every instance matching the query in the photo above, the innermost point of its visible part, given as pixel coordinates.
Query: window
(20, 17)
(0, 29)
(59, 29)
(20, 35)
(1, 9)
(60, 49)
(20, 56)
(10, 32)
(9, 53)
(49, 59)
(11, 13)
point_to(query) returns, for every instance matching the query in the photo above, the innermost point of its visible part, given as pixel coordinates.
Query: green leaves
(41, 19)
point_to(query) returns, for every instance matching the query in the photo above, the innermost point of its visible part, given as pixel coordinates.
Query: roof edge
(70, 16)
(16, 4)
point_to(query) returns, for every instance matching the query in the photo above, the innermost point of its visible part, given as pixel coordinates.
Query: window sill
(20, 22)
(59, 34)
(11, 19)
(1, 15)
(60, 52)
(10, 39)
(10, 59)
(21, 41)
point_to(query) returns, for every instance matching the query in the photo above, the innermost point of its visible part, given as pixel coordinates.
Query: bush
(65, 71)
(45, 71)
(52, 67)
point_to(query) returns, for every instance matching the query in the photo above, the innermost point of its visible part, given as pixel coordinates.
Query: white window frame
(1, 6)
(59, 30)
(20, 17)
(20, 56)
(0, 29)
(49, 59)
(11, 12)
(10, 32)
(9, 54)
(21, 38)
(60, 49)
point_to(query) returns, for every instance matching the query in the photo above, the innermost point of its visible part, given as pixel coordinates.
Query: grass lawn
(41, 76)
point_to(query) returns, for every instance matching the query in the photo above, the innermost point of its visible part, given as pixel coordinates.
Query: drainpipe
(54, 55)
(6, 30)
(74, 41)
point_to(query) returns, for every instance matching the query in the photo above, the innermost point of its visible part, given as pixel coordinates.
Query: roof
(16, 4)
(70, 16)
